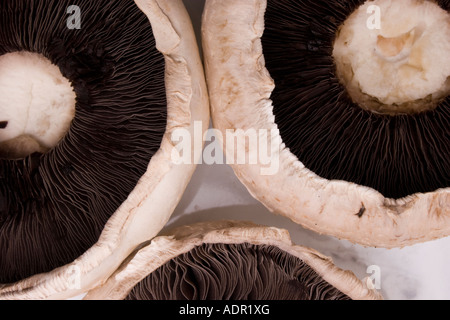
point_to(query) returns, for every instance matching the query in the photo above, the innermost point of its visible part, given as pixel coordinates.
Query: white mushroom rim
(37, 104)
(149, 206)
(240, 89)
(182, 240)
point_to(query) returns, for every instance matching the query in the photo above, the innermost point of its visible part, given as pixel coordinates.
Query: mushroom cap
(184, 239)
(151, 203)
(240, 88)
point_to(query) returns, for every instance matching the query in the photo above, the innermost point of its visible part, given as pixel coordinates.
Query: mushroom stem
(21, 147)
(37, 104)
(401, 67)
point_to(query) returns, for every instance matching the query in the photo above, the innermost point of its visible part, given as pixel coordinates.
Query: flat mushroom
(229, 260)
(351, 97)
(88, 105)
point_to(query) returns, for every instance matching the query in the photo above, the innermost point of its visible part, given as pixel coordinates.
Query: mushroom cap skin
(150, 205)
(240, 88)
(184, 239)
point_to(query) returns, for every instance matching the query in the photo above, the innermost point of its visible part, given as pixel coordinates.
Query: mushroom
(356, 116)
(230, 260)
(86, 118)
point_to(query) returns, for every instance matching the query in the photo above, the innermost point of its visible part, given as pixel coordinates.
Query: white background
(417, 272)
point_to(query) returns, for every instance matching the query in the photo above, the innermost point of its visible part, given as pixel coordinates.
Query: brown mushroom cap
(230, 260)
(152, 200)
(241, 95)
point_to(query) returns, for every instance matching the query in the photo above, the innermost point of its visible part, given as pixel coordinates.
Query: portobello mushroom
(354, 97)
(87, 109)
(229, 260)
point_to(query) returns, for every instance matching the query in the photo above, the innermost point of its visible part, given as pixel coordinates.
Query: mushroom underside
(54, 205)
(335, 168)
(332, 135)
(235, 272)
(229, 260)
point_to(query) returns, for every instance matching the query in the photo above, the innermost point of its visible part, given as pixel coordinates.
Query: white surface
(417, 272)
